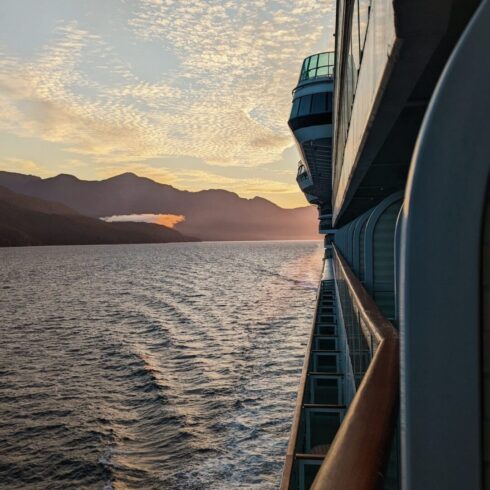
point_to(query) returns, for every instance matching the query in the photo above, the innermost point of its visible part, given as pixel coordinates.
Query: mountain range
(209, 215)
(26, 220)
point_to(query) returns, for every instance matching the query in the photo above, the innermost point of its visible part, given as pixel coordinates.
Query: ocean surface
(151, 366)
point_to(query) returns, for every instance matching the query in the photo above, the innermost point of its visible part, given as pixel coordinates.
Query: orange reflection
(169, 220)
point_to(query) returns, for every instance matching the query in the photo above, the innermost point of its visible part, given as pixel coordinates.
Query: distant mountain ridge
(209, 215)
(26, 220)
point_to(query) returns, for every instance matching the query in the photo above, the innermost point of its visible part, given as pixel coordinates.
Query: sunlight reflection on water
(152, 366)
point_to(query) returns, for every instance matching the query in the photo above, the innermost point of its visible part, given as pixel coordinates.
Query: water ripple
(151, 366)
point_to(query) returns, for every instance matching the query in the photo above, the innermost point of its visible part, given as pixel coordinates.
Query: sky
(195, 94)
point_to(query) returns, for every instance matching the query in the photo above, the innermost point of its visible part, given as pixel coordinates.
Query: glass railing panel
(326, 317)
(309, 470)
(360, 351)
(325, 389)
(322, 424)
(326, 330)
(305, 470)
(323, 59)
(313, 62)
(317, 65)
(326, 362)
(374, 355)
(322, 71)
(326, 343)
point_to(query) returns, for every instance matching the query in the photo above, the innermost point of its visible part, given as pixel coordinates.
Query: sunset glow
(196, 95)
(169, 220)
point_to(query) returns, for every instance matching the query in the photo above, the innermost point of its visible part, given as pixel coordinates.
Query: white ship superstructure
(394, 141)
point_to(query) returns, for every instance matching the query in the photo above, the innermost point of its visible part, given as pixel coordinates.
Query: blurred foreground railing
(358, 455)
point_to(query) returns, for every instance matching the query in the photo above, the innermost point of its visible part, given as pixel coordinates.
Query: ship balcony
(303, 178)
(325, 225)
(311, 123)
(312, 109)
(317, 67)
(378, 109)
(349, 385)
(312, 199)
(312, 97)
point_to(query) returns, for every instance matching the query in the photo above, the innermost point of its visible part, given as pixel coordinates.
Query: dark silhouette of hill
(27, 220)
(209, 215)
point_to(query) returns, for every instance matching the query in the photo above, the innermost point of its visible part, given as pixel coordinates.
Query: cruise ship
(393, 132)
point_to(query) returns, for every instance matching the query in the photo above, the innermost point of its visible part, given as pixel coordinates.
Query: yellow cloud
(169, 220)
(240, 62)
(198, 180)
(23, 166)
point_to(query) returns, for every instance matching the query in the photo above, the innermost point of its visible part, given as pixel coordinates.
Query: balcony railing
(346, 411)
(303, 178)
(316, 66)
(312, 199)
(358, 455)
(325, 225)
(311, 412)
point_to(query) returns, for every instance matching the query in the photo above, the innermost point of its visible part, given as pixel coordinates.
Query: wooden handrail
(358, 454)
(288, 465)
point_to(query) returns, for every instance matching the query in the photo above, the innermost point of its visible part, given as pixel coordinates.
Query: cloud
(226, 101)
(160, 174)
(169, 220)
(197, 180)
(21, 165)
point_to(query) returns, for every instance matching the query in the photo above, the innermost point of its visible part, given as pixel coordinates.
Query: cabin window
(351, 77)
(355, 36)
(319, 103)
(304, 107)
(329, 102)
(294, 110)
(364, 7)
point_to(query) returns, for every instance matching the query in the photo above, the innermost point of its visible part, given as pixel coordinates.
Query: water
(151, 366)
